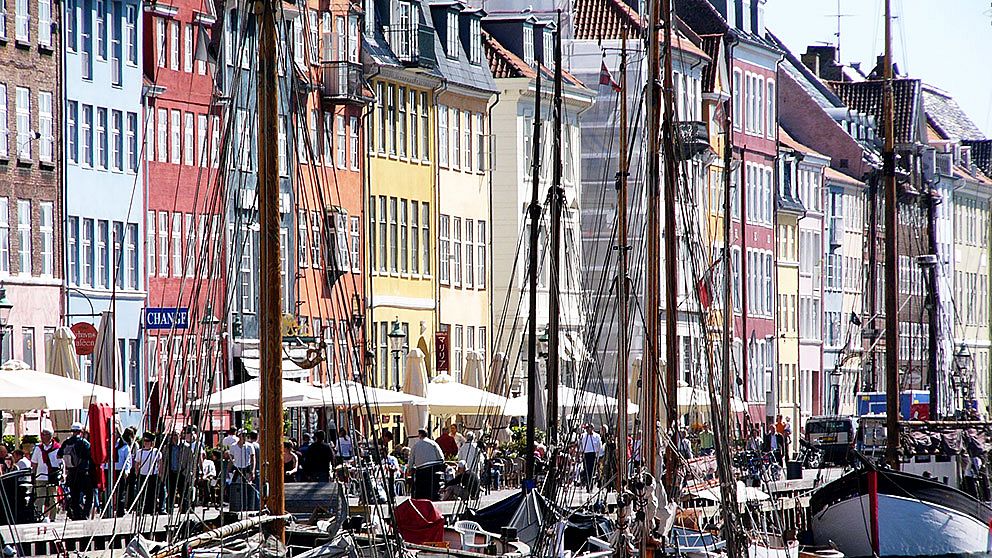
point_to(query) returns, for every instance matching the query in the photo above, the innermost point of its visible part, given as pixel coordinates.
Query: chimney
(821, 60)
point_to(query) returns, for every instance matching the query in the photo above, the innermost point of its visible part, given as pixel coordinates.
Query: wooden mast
(671, 261)
(270, 285)
(623, 342)
(556, 200)
(535, 227)
(652, 279)
(891, 246)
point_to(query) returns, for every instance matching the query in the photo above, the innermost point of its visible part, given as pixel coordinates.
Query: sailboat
(874, 511)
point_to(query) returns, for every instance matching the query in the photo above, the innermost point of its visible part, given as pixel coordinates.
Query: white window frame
(22, 21)
(46, 127)
(189, 130)
(24, 241)
(45, 23)
(4, 132)
(24, 136)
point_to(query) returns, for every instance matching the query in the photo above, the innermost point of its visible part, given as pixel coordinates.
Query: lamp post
(396, 340)
(5, 307)
(961, 377)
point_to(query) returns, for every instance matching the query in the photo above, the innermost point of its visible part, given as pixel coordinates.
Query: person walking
(317, 460)
(173, 459)
(120, 490)
(773, 444)
(469, 453)
(243, 465)
(346, 447)
(75, 454)
(148, 468)
(426, 461)
(707, 443)
(46, 468)
(591, 447)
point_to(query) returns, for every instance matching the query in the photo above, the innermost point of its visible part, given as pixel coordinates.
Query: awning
(290, 371)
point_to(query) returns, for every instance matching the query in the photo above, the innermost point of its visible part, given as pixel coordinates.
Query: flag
(855, 319)
(606, 78)
(703, 289)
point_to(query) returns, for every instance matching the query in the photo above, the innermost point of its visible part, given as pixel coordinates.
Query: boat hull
(908, 525)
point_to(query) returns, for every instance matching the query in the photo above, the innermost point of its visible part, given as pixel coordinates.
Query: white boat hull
(906, 527)
(758, 550)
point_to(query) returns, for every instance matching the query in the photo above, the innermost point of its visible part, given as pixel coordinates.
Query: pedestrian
(773, 444)
(636, 457)
(464, 485)
(208, 482)
(426, 461)
(21, 461)
(47, 472)
(290, 461)
(6, 460)
(75, 454)
(469, 452)
(231, 438)
(173, 460)
(608, 461)
(318, 459)
(787, 434)
(119, 489)
(684, 447)
(190, 450)
(346, 447)
(447, 441)
(243, 466)
(147, 469)
(707, 443)
(590, 447)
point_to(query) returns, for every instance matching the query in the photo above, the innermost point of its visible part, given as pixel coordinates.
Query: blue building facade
(104, 181)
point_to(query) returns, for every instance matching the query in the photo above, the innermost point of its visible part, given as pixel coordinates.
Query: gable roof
(866, 97)
(947, 117)
(503, 63)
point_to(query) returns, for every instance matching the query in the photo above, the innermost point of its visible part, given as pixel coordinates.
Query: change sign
(166, 318)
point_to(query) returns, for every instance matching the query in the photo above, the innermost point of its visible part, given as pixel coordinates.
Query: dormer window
(548, 38)
(529, 45)
(451, 47)
(475, 41)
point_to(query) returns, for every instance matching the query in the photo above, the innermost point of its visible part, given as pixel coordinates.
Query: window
(189, 241)
(770, 110)
(47, 229)
(424, 128)
(22, 18)
(404, 236)
(317, 237)
(281, 141)
(456, 225)
(451, 44)
(177, 244)
(529, 45)
(356, 244)
(4, 146)
(44, 23)
(313, 138)
(394, 252)
(475, 41)
(467, 141)
(174, 135)
(73, 242)
(391, 122)
(414, 127)
(342, 145)
(443, 249)
(188, 131)
(150, 242)
(201, 140)
(469, 253)
(373, 248)
(354, 142)
(46, 123)
(456, 137)
(163, 135)
(188, 48)
(87, 249)
(246, 273)
(174, 45)
(414, 237)
(24, 237)
(71, 29)
(381, 103)
(215, 142)
(442, 135)
(401, 123)
(425, 236)
(5, 236)
(160, 42)
(101, 138)
(115, 42)
(738, 116)
(117, 140)
(86, 53)
(131, 22)
(480, 281)
(480, 144)
(328, 138)
(28, 349)
(101, 30)
(456, 352)
(24, 135)
(103, 254)
(383, 239)
(163, 244)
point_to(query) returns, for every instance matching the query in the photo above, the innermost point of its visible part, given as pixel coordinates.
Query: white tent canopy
(448, 397)
(248, 395)
(570, 399)
(26, 390)
(415, 414)
(744, 493)
(349, 394)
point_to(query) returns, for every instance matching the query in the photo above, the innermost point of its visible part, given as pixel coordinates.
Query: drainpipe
(437, 92)
(489, 239)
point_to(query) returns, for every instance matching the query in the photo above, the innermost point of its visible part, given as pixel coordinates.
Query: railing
(343, 81)
(411, 44)
(694, 137)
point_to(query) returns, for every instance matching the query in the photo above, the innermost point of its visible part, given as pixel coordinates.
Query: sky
(946, 43)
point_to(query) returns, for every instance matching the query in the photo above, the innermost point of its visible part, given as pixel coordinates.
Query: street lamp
(397, 337)
(5, 307)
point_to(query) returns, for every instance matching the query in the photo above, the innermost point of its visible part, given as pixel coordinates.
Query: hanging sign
(442, 350)
(85, 338)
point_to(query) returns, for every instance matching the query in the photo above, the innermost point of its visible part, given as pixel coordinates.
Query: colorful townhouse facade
(513, 117)
(103, 119)
(329, 131)
(185, 259)
(401, 283)
(31, 178)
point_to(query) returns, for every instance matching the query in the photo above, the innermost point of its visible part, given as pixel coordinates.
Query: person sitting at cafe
(464, 485)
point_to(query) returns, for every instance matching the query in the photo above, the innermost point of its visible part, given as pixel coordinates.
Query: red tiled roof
(605, 19)
(505, 64)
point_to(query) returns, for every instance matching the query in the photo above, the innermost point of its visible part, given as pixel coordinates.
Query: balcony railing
(694, 137)
(411, 44)
(343, 82)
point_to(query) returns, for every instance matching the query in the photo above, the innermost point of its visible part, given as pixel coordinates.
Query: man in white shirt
(469, 453)
(591, 447)
(147, 463)
(47, 468)
(243, 465)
